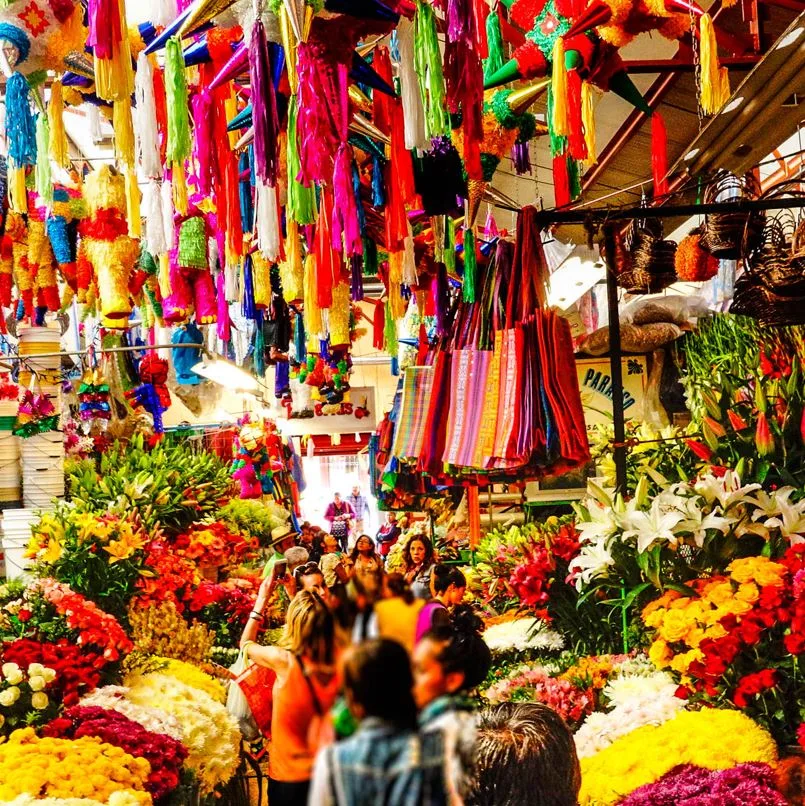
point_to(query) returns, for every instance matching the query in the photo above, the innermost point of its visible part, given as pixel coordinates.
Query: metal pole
(615, 366)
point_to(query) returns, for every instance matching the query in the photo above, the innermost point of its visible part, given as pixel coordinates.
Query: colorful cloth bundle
(495, 398)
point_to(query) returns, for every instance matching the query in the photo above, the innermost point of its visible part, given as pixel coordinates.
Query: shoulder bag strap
(313, 696)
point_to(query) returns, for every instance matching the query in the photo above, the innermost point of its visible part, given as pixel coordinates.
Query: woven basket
(752, 298)
(729, 236)
(651, 265)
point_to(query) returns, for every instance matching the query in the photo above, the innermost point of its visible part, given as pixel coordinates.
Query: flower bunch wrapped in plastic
(165, 754)
(509, 634)
(713, 739)
(224, 607)
(214, 544)
(535, 684)
(64, 768)
(742, 785)
(209, 733)
(24, 698)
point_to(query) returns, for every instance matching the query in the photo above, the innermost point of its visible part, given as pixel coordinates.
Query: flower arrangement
(24, 698)
(745, 784)
(738, 637)
(256, 519)
(209, 733)
(536, 684)
(114, 698)
(159, 629)
(164, 754)
(214, 544)
(78, 670)
(100, 556)
(170, 578)
(225, 607)
(712, 739)
(64, 768)
(193, 677)
(521, 635)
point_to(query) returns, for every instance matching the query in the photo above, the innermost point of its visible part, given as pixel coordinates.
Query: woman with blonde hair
(304, 691)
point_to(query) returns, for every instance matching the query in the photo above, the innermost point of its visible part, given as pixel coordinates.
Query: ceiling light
(790, 38)
(691, 154)
(226, 374)
(732, 105)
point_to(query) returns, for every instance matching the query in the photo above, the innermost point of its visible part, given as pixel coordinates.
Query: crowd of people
(400, 653)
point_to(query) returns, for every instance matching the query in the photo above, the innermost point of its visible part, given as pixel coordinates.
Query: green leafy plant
(253, 518)
(170, 485)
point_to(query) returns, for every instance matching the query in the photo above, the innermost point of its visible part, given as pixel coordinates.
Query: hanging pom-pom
(148, 153)
(561, 181)
(413, 111)
(301, 206)
(20, 126)
(312, 311)
(178, 148)
(59, 152)
(470, 267)
(659, 154)
(391, 345)
(521, 157)
(43, 181)
(494, 39)
(378, 191)
(429, 71)
(559, 121)
(588, 121)
(577, 145)
(123, 132)
(356, 278)
(264, 108)
(345, 220)
(154, 239)
(133, 218)
(267, 223)
(715, 86)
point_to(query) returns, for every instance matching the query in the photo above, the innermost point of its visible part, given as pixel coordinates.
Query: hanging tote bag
(250, 697)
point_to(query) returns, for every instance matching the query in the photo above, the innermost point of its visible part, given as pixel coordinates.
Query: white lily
(768, 506)
(697, 522)
(791, 522)
(601, 524)
(726, 489)
(656, 524)
(591, 562)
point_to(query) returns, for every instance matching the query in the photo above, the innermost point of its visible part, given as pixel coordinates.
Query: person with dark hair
(448, 662)
(447, 586)
(339, 514)
(522, 753)
(387, 535)
(396, 614)
(308, 577)
(418, 559)
(385, 761)
(367, 564)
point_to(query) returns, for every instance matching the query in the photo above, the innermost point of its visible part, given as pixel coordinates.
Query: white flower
(40, 700)
(627, 689)
(696, 522)
(600, 523)
(791, 522)
(768, 505)
(726, 489)
(9, 696)
(12, 673)
(37, 682)
(522, 633)
(591, 562)
(651, 526)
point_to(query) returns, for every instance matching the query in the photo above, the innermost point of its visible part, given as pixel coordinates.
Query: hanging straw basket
(651, 265)
(728, 235)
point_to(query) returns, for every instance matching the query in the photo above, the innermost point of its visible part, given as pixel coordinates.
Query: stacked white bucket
(42, 455)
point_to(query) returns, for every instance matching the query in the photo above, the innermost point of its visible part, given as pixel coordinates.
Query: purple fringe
(356, 277)
(521, 156)
(264, 108)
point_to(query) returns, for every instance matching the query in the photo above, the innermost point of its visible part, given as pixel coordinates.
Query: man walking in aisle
(360, 508)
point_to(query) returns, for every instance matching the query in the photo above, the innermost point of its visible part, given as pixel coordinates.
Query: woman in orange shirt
(304, 691)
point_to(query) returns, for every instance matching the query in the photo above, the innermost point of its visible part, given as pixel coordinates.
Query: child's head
(378, 683)
(450, 659)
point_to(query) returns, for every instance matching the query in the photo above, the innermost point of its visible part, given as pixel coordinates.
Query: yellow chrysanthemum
(713, 739)
(193, 676)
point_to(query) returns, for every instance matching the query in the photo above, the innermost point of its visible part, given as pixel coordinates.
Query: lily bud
(702, 451)
(736, 421)
(715, 426)
(764, 441)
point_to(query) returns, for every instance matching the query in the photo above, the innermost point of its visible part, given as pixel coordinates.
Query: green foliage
(170, 486)
(253, 518)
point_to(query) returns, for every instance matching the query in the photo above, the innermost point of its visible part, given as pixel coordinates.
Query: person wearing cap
(282, 538)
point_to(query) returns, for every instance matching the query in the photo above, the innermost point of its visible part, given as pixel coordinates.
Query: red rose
(24, 615)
